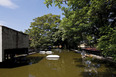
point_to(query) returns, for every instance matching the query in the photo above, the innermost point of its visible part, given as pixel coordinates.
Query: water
(70, 64)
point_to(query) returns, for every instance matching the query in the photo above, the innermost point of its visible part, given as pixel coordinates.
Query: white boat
(42, 52)
(52, 57)
(49, 52)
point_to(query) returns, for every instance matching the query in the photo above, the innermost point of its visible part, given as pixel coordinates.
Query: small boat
(52, 57)
(42, 52)
(49, 52)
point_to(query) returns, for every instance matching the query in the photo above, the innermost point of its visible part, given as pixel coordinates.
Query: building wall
(12, 39)
(9, 38)
(23, 40)
(0, 44)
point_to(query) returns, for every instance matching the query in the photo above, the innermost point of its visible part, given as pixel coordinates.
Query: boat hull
(52, 57)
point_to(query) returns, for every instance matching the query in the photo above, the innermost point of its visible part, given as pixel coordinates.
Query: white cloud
(8, 4)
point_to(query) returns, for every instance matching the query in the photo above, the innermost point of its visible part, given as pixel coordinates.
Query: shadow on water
(82, 66)
(92, 69)
(107, 63)
(79, 60)
(20, 61)
(100, 74)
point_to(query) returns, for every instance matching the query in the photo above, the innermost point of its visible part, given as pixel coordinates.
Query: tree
(42, 29)
(91, 20)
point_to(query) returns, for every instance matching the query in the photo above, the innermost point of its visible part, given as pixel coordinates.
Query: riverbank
(96, 56)
(31, 53)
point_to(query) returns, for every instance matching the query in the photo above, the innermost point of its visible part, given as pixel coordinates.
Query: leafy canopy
(90, 21)
(42, 30)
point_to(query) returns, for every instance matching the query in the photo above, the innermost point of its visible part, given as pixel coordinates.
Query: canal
(70, 64)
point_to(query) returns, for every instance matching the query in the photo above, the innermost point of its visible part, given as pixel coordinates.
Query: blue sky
(18, 14)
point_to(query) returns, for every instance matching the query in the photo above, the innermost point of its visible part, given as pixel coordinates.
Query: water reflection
(58, 50)
(20, 61)
(54, 65)
(69, 65)
(31, 75)
(92, 68)
(89, 66)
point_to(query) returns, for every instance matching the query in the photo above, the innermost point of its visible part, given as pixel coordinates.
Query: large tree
(90, 21)
(42, 30)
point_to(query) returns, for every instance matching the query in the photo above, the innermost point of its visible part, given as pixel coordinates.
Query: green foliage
(107, 43)
(87, 20)
(42, 30)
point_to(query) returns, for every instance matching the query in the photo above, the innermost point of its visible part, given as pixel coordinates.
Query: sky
(18, 14)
